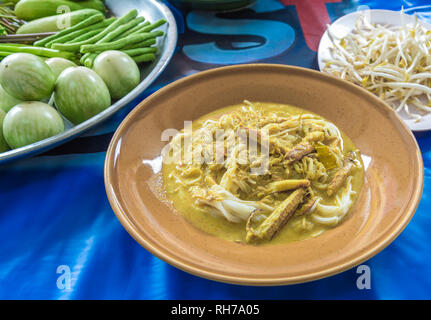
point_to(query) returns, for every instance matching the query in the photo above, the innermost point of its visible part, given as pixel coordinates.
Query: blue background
(54, 211)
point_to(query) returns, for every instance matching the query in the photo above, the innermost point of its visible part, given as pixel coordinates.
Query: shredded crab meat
(391, 62)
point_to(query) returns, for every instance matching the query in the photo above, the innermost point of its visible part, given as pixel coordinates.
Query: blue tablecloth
(61, 240)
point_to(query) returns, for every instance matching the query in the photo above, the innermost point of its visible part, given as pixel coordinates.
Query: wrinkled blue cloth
(61, 240)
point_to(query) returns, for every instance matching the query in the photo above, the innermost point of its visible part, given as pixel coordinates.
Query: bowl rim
(386, 239)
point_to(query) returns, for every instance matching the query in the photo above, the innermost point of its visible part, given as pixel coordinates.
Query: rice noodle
(331, 215)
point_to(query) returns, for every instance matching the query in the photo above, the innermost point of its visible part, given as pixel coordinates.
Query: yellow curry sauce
(287, 127)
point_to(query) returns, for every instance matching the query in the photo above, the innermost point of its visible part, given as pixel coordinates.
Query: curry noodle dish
(259, 173)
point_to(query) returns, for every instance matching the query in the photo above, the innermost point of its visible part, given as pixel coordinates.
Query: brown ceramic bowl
(391, 193)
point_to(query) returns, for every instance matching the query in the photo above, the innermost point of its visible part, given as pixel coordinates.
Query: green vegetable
(138, 54)
(87, 22)
(56, 23)
(133, 30)
(42, 52)
(144, 58)
(26, 77)
(86, 35)
(118, 71)
(58, 65)
(139, 51)
(88, 59)
(29, 122)
(3, 144)
(7, 101)
(143, 28)
(82, 34)
(143, 44)
(66, 38)
(75, 47)
(134, 38)
(81, 94)
(121, 29)
(34, 9)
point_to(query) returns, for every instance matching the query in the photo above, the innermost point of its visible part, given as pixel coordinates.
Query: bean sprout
(391, 62)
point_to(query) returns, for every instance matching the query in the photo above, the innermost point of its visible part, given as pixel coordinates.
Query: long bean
(146, 43)
(84, 57)
(140, 51)
(87, 22)
(71, 36)
(66, 38)
(138, 55)
(75, 47)
(89, 60)
(134, 38)
(86, 35)
(142, 28)
(133, 30)
(152, 26)
(38, 51)
(13, 45)
(147, 57)
(125, 27)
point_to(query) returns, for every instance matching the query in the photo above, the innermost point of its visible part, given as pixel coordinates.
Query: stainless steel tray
(152, 10)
